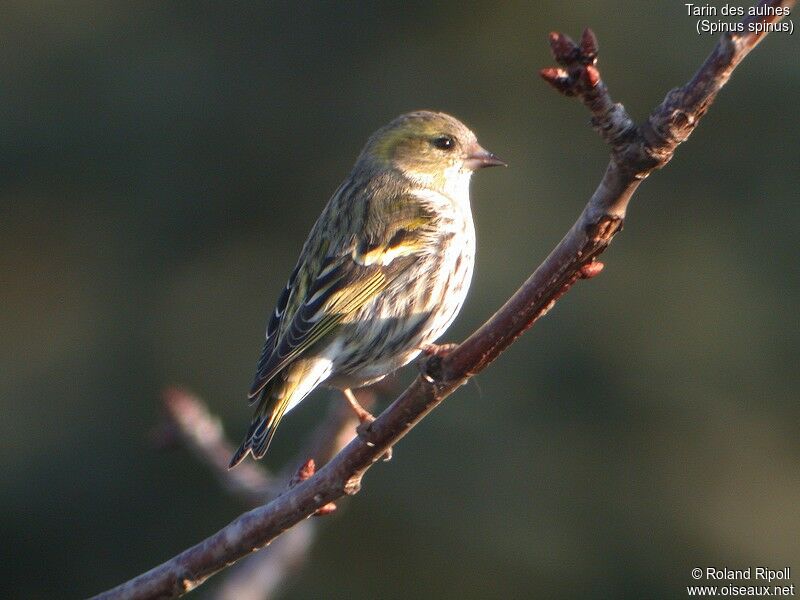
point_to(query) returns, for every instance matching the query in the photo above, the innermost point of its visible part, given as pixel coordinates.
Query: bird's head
(431, 148)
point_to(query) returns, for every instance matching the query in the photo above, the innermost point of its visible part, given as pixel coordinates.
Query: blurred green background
(161, 166)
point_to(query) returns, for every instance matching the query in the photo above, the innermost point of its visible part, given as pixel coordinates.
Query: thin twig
(188, 419)
(635, 152)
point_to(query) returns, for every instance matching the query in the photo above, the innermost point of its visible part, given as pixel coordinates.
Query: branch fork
(579, 76)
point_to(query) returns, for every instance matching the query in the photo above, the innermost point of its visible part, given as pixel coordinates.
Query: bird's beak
(479, 158)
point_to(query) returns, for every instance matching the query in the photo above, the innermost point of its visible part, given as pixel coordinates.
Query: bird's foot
(430, 364)
(365, 421)
(364, 431)
(439, 349)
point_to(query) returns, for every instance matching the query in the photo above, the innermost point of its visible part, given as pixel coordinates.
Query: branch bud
(558, 78)
(589, 46)
(563, 48)
(590, 76)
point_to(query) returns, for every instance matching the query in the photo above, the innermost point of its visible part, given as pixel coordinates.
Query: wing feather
(318, 298)
(324, 310)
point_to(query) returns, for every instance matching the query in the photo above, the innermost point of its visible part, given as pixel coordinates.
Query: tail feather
(262, 429)
(279, 396)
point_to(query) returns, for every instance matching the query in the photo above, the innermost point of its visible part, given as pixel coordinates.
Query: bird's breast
(416, 308)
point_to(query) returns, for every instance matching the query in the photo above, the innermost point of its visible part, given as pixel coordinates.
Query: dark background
(161, 166)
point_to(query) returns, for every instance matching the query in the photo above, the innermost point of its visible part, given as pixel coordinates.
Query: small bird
(382, 275)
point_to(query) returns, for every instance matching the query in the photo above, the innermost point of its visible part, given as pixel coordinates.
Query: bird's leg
(429, 365)
(364, 416)
(366, 419)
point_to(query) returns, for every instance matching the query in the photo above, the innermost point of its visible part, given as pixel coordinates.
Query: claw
(430, 364)
(438, 349)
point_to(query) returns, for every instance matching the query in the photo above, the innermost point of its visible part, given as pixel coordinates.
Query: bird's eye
(443, 142)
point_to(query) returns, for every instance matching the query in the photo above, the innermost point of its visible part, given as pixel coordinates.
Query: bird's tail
(279, 396)
(271, 407)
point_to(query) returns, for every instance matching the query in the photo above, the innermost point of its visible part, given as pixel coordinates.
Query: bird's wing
(318, 297)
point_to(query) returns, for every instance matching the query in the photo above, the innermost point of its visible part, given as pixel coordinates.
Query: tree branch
(636, 151)
(188, 421)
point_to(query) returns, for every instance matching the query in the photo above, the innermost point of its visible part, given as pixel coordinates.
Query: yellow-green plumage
(382, 274)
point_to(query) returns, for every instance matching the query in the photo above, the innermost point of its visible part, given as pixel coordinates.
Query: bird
(383, 273)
